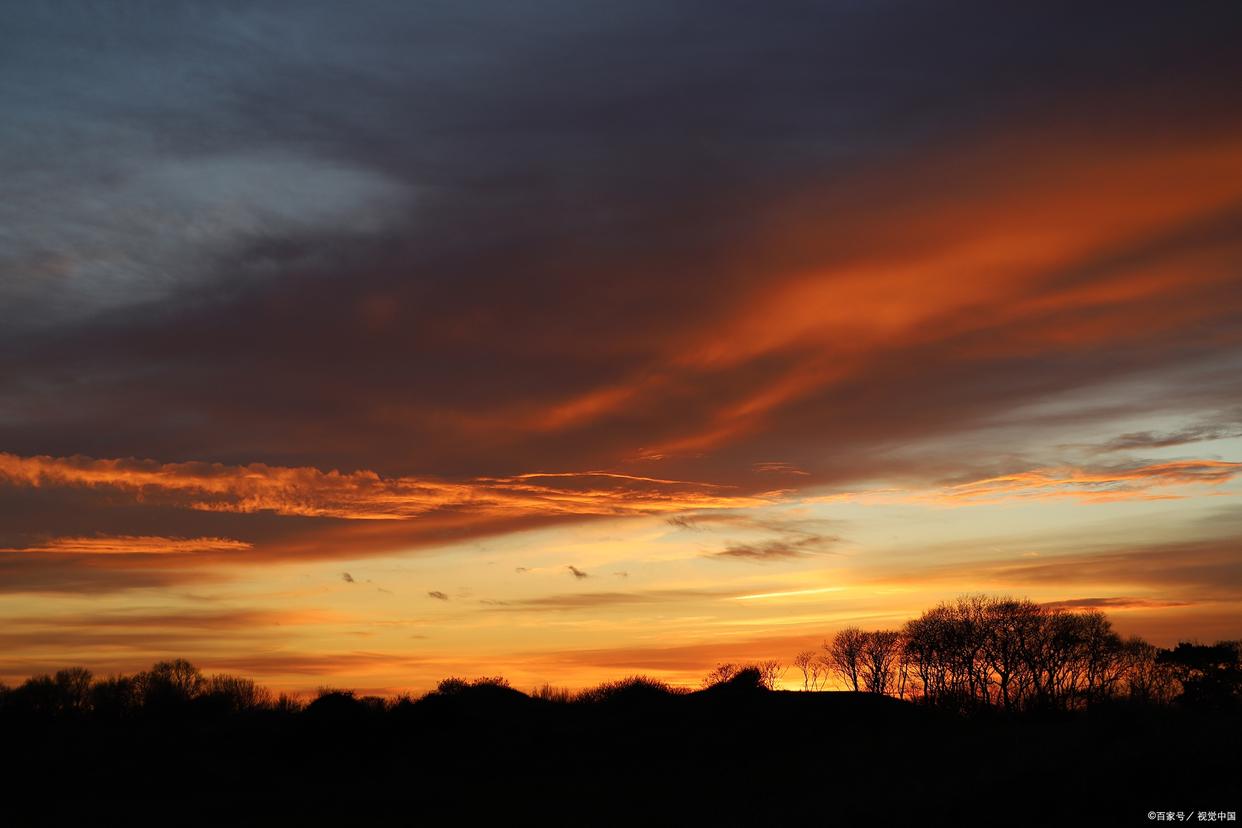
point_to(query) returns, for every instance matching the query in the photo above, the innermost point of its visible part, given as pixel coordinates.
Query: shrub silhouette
(742, 676)
(747, 679)
(454, 686)
(480, 693)
(634, 690)
(332, 706)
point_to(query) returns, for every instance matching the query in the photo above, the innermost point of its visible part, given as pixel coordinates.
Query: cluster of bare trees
(167, 685)
(981, 651)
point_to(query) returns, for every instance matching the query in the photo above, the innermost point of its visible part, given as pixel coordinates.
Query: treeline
(977, 653)
(982, 652)
(179, 689)
(168, 687)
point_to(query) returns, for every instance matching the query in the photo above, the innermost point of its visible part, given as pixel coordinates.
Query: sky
(365, 344)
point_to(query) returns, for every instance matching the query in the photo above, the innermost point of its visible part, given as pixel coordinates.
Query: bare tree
(770, 673)
(74, 688)
(170, 682)
(844, 655)
(1148, 680)
(721, 674)
(878, 665)
(813, 669)
(237, 694)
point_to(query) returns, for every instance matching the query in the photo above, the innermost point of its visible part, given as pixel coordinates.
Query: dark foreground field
(724, 756)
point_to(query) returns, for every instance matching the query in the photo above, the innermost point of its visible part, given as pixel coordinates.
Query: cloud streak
(364, 495)
(134, 545)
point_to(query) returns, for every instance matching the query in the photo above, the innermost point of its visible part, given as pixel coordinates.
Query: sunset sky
(367, 344)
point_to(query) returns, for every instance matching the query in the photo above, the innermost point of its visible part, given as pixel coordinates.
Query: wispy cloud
(1164, 439)
(789, 593)
(365, 495)
(795, 537)
(1166, 480)
(598, 600)
(776, 550)
(778, 467)
(1104, 483)
(1117, 603)
(134, 545)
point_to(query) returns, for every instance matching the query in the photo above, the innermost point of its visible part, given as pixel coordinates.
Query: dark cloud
(1115, 603)
(460, 241)
(438, 595)
(347, 578)
(1201, 569)
(1198, 432)
(21, 572)
(594, 600)
(577, 573)
(776, 550)
(667, 123)
(795, 537)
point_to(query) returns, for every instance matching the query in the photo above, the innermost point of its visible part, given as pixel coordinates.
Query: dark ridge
(927, 739)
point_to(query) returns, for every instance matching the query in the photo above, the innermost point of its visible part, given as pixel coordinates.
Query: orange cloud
(1118, 603)
(135, 545)
(1046, 245)
(365, 495)
(1106, 484)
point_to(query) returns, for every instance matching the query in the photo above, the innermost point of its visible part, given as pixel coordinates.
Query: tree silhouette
(844, 654)
(812, 667)
(721, 674)
(73, 685)
(170, 684)
(770, 673)
(879, 661)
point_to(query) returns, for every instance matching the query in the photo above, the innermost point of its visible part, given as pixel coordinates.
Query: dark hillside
(727, 755)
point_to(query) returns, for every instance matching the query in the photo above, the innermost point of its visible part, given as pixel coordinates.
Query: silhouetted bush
(631, 690)
(336, 707)
(743, 680)
(764, 675)
(453, 685)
